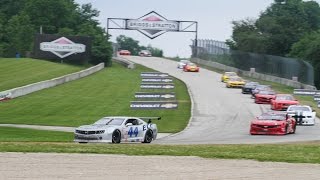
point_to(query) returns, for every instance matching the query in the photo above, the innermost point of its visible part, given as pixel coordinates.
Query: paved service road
(98, 166)
(220, 115)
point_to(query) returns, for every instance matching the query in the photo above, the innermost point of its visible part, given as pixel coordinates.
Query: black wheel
(286, 130)
(116, 136)
(148, 137)
(294, 129)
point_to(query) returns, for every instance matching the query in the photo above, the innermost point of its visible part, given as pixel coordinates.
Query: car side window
(133, 121)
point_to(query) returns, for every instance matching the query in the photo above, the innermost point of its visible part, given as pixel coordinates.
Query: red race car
(283, 101)
(124, 52)
(273, 123)
(264, 96)
(191, 67)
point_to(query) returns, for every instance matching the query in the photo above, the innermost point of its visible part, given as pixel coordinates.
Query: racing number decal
(133, 132)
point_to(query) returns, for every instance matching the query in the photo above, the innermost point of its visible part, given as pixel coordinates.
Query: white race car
(118, 129)
(303, 114)
(182, 63)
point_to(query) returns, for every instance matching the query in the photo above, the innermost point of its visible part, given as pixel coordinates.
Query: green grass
(292, 153)
(20, 72)
(10, 134)
(105, 93)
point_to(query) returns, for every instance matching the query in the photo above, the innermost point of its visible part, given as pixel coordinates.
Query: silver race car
(118, 129)
(303, 114)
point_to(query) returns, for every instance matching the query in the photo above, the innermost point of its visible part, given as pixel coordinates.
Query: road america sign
(62, 47)
(155, 95)
(152, 25)
(154, 105)
(153, 75)
(157, 86)
(157, 80)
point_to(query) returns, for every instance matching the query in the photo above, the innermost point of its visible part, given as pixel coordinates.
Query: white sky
(214, 19)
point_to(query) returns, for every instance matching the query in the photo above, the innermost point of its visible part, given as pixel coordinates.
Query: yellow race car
(235, 81)
(225, 76)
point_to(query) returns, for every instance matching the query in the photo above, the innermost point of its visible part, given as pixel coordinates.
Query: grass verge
(105, 93)
(20, 72)
(292, 153)
(10, 134)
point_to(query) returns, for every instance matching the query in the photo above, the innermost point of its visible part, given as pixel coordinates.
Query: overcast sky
(213, 16)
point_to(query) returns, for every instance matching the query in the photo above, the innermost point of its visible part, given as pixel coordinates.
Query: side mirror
(129, 124)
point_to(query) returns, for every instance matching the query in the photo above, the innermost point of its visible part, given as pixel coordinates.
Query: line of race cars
(286, 112)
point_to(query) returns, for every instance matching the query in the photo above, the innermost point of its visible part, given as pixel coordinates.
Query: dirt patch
(93, 166)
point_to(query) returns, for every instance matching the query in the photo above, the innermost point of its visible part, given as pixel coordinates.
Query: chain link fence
(217, 51)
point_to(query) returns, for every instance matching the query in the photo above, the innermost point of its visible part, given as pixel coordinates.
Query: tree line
(20, 20)
(128, 43)
(289, 28)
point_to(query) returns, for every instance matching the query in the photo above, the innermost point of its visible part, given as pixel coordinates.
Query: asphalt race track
(220, 115)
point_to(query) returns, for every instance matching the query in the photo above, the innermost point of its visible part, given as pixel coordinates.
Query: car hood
(94, 127)
(265, 95)
(287, 101)
(267, 122)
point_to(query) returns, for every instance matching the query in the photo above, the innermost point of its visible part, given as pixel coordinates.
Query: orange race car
(191, 67)
(124, 52)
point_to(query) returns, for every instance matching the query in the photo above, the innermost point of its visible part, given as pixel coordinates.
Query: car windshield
(298, 108)
(267, 92)
(252, 83)
(191, 64)
(259, 87)
(285, 98)
(231, 74)
(235, 79)
(110, 121)
(272, 117)
(184, 61)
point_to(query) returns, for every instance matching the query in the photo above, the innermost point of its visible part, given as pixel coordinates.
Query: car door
(134, 129)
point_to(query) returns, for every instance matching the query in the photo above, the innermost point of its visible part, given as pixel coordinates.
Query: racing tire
(148, 137)
(286, 130)
(294, 129)
(116, 136)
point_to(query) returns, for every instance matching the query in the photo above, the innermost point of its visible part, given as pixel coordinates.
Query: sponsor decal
(157, 86)
(316, 97)
(152, 25)
(154, 104)
(5, 96)
(306, 92)
(62, 47)
(153, 74)
(146, 95)
(165, 80)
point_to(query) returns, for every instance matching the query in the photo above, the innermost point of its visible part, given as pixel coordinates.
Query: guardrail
(253, 74)
(27, 89)
(124, 62)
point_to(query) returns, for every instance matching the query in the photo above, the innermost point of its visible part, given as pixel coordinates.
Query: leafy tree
(278, 27)
(308, 48)
(20, 19)
(129, 44)
(19, 32)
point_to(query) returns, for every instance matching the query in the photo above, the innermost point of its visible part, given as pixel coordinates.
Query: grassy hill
(20, 72)
(106, 93)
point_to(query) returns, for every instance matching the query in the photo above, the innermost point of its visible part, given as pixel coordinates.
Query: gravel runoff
(96, 166)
